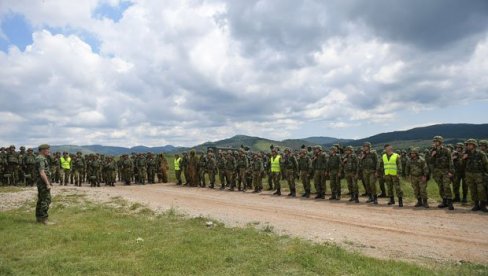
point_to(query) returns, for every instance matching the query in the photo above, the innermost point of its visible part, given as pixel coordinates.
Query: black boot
(483, 207)
(400, 202)
(392, 200)
(476, 206)
(465, 199)
(333, 197)
(382, 195)
(456, 198)
(338, 196)
(449, 204)
(375, 200)
(356, 197)
(425, 202)
(278, 192)
(353, 196)
(370, 199)
(419, 202)
(293, 193)
(306, 194)
(443, 204)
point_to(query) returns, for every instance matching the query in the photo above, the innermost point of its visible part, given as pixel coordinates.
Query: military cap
(471, 141)
(318, 147)
(438, 138)
(349, 148)
(22, 148)
(459, 145)
(44, 146)
(287, 149)
(483, 143)
(12, 147)
(29, 149)
(414, 151)
(367, 144)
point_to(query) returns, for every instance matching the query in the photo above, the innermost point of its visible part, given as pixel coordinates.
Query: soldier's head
(414, 152)
(274, 152)
(459, 147)
(177, 156)
(287, 151)
(44, 149)
(333, 150)
(22, 148)
(388, 149)
(65, 153)
(29, 150)
(437, 140)
(348, 150)
(317, 149)
(366, 146)
(471, 144)
(483, 145)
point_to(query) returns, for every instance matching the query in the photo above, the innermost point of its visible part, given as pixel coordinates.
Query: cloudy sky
(182, 72)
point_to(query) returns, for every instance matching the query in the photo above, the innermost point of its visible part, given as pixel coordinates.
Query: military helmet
(349, 148)
(415, 150)
(334, 148)
(472, 141)
(438, 139)
(22, 148)
(43, 147)
(287, 150)
(318, 147)
(12, 147)
(459, 145)
(367, 144)
(29, 149)
(483, 143)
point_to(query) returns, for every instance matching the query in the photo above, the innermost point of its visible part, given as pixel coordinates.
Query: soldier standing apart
(257, 173)
(476, 165)
(276, 170)
(442, 169)
(43, 185)
(369, 168)
(177, 166)
(305, 168)
(418, 171)
(350, 166)
(392, 166)
(333, 171)
(319, 164)
(459, 170)
(291, 167)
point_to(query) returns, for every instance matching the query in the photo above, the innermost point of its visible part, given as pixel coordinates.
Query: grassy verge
(10, 189)
(128, 239)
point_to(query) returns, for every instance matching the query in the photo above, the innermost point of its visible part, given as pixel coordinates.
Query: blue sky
(127, 73)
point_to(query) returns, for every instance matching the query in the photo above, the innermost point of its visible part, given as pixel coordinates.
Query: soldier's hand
(424, 178)
(465, 156)
(449, 174)
(433, 153)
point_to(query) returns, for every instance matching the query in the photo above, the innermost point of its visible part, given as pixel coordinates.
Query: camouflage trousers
(127, 176)
(305, 180)
(65, 176)
(381, 183)
(352, 184)
(30, 175)
(78, 176)
(290, 179)
(257, 180)
(241, 178)
(222, 177)
(276, 176)
(201, 177)
(43, 200)
(335, 182)
(369, 179)
(229, 177)
(211, 177)
(178, 177)
(393, 183)
(459, 182)
(476, 186)
(319, 182)
(444, 183)
(13, 170)
(419, 187)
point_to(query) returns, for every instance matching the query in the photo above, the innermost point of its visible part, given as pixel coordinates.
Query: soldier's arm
(484, 161)
(44, 177)
(399, 166)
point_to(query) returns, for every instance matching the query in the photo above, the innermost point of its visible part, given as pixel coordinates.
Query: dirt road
(381, 231)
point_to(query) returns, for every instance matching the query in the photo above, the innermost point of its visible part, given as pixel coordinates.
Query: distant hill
(422, 136)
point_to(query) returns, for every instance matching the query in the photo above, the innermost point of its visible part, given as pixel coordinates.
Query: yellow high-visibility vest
(65, 163)
(390, 165)
(275, 164)
(177, 164)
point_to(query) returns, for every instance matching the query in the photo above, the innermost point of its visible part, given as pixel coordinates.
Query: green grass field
(93, 239)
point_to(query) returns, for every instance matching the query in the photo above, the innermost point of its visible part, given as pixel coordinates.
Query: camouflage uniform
(13, 163)
(333, 170)
(459, 172)
(442, 169)
(151, 168)
(202, 168)
(418, 171)
(242, 166)
(30, 173)
(230, 167)
(211, 169)
(369, 167)
(127, 169)
(43, 190)
(221, 167)
(78, 169)
(305, 168)
(350, 166)
(319, 164)
(476, 164)
(290, 166)
(257, 174)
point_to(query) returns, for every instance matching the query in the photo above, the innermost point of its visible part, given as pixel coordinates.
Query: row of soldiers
(18, 168)
(452, 168)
